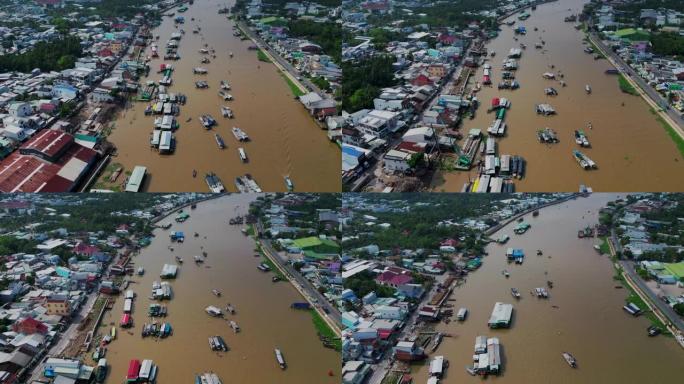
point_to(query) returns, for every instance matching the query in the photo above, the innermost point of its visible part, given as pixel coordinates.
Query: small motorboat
(216, 292)
(570, 359)
(194, 173)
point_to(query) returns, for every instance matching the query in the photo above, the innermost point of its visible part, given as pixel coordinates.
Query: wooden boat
(280, 359)
(219, 141)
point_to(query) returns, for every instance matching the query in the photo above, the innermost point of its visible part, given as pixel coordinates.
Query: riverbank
(262, 308)
(628, 84)
(626, 164)
(542, 329)
(281, 143)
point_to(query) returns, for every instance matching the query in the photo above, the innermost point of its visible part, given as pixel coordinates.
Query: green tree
(679, 308)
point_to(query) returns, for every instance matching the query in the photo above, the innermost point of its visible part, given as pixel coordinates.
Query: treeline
(451, 13)
(418, 228)
(668, 44)
(327, 35)
(362, 81)
(55, 55)
(106, 9)
(634, 8)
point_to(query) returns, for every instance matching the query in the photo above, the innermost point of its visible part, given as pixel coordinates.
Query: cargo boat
(214, 183)
(226, 112)
(583, 160)
(225, 96)
(239, 134)
(581, 139)
(213, 311)
(216, 343)
(207, 121)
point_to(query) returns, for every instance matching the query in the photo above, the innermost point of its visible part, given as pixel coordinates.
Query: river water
(610, 346)
(285, 139)
(263, 310)
(632, 151)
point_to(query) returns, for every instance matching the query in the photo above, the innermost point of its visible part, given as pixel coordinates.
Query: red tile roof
(50, 142)
(28, 173)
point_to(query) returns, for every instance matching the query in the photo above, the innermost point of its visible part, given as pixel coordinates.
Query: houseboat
(199, 71)
(234, 326)
(462, 314)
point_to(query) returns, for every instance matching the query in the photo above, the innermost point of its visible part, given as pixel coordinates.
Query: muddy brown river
(263, 310)
(284, 138)
(632, 150)
(610, 346)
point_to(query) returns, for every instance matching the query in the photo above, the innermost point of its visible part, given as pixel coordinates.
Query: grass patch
(103, 180)
(324, 330)
(625, 86)
(634, 298)
(293, 87)
(391, 378)
(262, 56)
(250, 230)
(604, 248)
(678, 140)
(638, 301)
(270, 263)
(597, 51)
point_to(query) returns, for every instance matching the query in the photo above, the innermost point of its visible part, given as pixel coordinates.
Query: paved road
(381, 369)
(628, 267)
(65, 336)
(656, 98)
(331, 312)
(294, 75)
(676, 321)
